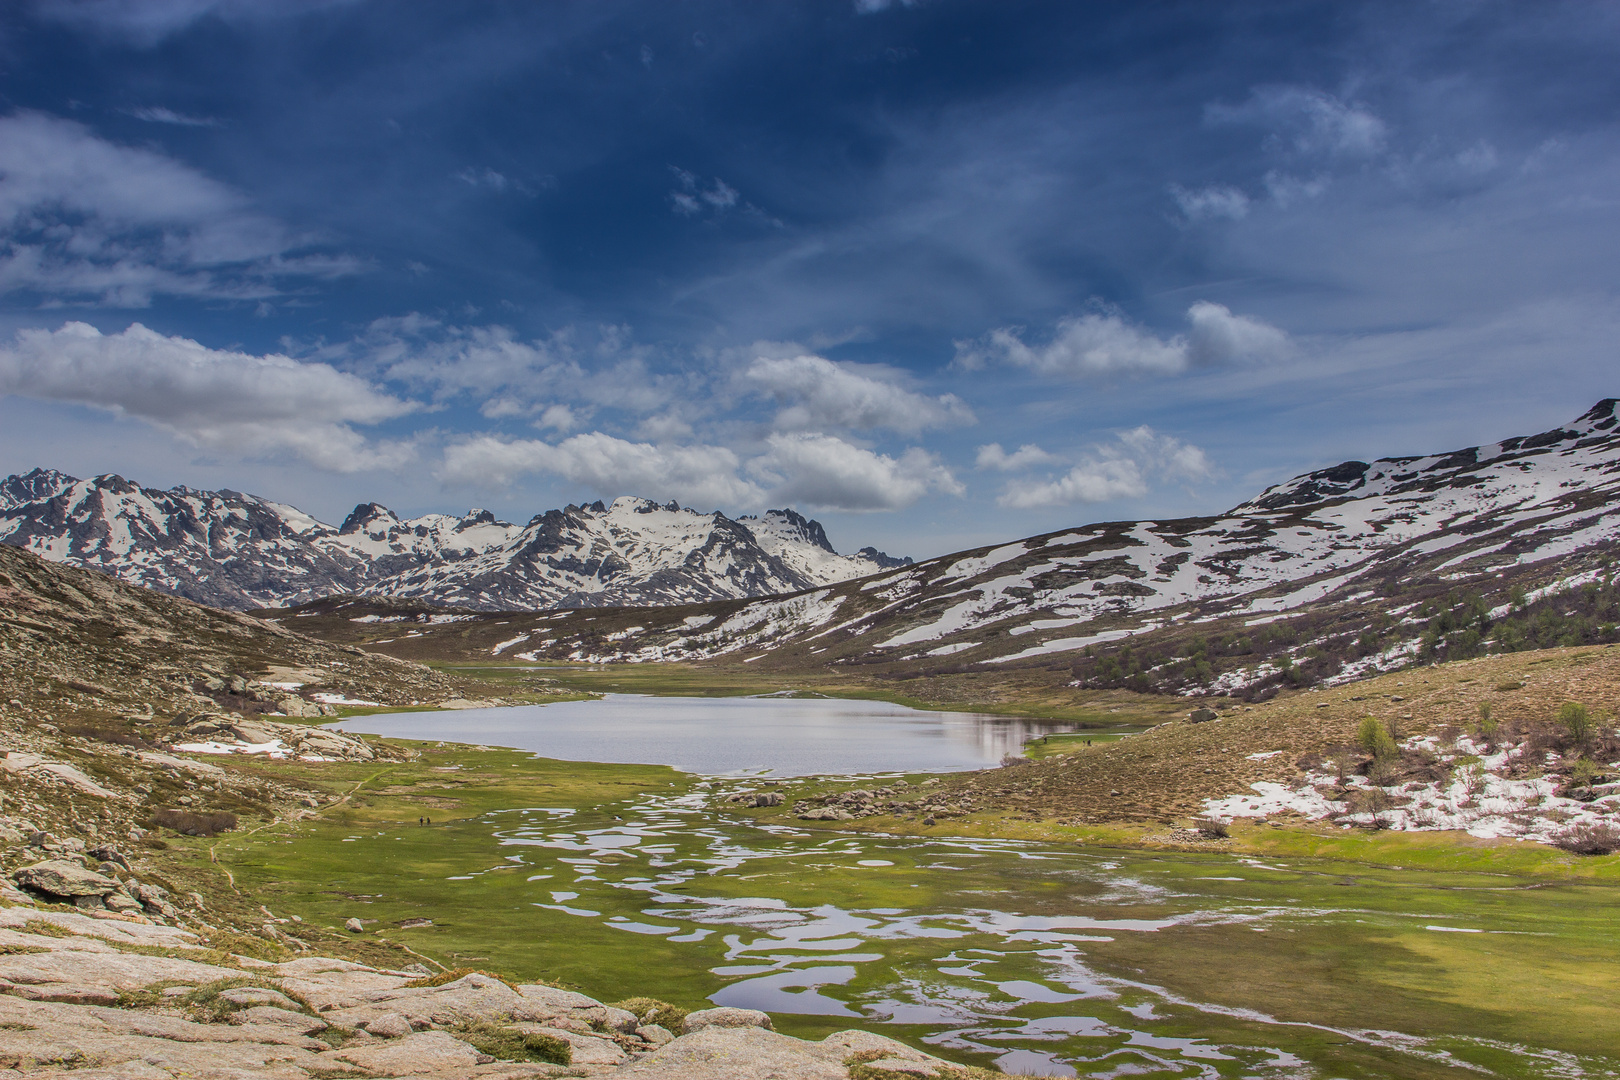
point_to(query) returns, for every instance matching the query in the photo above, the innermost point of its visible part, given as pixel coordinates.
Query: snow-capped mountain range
(231, 550)
(1360, 544)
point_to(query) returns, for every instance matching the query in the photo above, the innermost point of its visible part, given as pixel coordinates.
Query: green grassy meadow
(1291, 942)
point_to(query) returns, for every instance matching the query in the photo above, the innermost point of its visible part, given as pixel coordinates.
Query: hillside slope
(1336, 574)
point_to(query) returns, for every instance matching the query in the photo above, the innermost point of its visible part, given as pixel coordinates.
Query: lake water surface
(782, 736)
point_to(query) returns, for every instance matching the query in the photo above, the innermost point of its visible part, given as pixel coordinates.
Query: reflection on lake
(712, 736)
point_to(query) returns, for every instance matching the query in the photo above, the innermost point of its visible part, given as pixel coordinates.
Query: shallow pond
(783, 736)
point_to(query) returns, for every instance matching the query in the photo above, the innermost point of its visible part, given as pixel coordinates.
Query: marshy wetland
(1042, 950)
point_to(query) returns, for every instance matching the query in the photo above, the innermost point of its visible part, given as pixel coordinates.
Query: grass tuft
(46, 928)
(510, 1044)
(665, 1015)
(453, 974)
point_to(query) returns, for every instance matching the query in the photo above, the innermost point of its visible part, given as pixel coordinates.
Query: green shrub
(1488, 724)
(1576, 722)
(1375, 739)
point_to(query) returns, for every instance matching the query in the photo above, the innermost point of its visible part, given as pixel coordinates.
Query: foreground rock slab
(109, 999)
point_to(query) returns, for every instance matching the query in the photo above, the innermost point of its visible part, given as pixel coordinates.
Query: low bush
(1212, 827)
(1599, 838)
(193, 823)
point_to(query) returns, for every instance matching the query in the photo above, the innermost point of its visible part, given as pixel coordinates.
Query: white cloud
(609, 466)
(819, 393)
(1165, 456)
(229, 402)
(1307, 121)
(1216, 201)
(502, 407)
(992, 456)
(559, 418)
(1218, 336)
(1119, 470)
(82, 216)
(825, 472)
(1103, 343)
(1094, 480)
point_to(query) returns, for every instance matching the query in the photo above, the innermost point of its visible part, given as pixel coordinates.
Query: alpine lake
(566, 845)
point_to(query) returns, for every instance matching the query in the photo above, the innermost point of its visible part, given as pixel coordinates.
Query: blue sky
(939, 273)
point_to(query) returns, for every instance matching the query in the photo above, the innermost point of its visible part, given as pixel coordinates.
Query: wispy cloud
(84, 217)
(148, 22)
(1306, 121)
(1215, 201)
(157, 114)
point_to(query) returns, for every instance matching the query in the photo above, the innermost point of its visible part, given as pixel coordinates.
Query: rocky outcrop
(225, 734)
(117, 1000)
(112, 888)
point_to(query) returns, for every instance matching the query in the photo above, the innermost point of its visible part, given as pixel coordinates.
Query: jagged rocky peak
(368, 518)
(790, 521)
(33, 486)
(882, 559)
(1599, 417)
